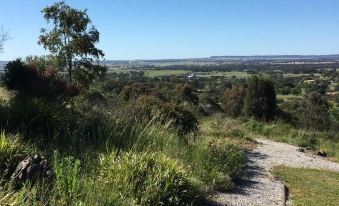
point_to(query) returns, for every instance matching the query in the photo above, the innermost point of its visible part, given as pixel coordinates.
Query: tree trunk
(70, 77)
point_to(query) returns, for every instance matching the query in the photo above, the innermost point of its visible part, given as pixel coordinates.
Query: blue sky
(153, 29)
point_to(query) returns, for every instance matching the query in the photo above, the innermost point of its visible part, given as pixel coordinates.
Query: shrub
(260, 101)
(133, 91)
(181, 119)
(146, 179)
(27, 81)
(178, 118)
(234, 99)
(186, 93)
(208, 106)
(314, 112)
(37, 119)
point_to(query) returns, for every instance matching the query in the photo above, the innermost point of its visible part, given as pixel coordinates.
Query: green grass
(168, 72)
(157, 73)
(12, 149)
(310, 187)
(294, 75)
(289, 97)
(223, 74)
(153, 72)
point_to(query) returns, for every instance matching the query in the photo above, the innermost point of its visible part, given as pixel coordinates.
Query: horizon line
(212, 57)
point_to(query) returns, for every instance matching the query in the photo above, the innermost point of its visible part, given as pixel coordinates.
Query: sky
(160, 29)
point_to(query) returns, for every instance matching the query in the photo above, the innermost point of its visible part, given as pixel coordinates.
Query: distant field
(294, 75)
(168, 72)
(310, 187)
(288, 97)
(225, 74)
(154, 73)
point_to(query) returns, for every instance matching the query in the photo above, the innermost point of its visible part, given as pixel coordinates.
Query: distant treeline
(293, 68)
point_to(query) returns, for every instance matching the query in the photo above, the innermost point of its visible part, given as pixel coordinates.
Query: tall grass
(315, 140)
(107, 160)
(147, 179)
(67, 184)
(12, 150)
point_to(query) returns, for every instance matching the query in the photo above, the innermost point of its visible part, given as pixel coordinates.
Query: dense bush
(27, 81)
(209, 106)
(314, 112)
(148, 107)
(186, 93)
(234, 99)
(181, 119)
(260, 101)
(146, 179)
(37, 119)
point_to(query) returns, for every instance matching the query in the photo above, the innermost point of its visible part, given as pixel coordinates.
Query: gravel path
(259, 187)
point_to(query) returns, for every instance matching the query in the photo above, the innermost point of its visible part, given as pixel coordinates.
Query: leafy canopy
(72, 39)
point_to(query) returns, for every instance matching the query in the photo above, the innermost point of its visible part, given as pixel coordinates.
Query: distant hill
(217, 59)
(281, 57)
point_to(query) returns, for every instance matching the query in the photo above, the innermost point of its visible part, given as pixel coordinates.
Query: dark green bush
(182, 120)
(260, 101)
(149, 107)
(27, 81)
(233, 101)
(314, 112)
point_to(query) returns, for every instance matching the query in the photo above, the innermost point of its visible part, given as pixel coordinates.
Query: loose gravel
(259, 187)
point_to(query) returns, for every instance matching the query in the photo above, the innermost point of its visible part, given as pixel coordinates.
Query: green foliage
(186, 93)
(41, 63)
(314, 112)
(36, 119)
(209, 106)
(178, 118)
(12, 150)
(260, 101)
(216, 163)
(181, 119)
(67, 185)
(315, 140)
(234, 100)
(27, 81)
(147, 179)
(227, 158)
(135, 90)
(72, 40)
